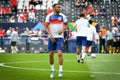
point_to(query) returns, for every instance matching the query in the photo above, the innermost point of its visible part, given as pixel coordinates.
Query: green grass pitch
(28, 66)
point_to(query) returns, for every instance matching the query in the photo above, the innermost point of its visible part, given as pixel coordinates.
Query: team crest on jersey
(59, 18)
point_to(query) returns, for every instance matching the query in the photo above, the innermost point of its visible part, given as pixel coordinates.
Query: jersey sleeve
(47, 18)
(64, 18)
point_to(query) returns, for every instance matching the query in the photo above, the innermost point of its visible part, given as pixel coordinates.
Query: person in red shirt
(32, 9)
(8, 9)
(91, 10)
(2, 10)
(25, 16)
(84, 11)
(49, 11)
(2, 33)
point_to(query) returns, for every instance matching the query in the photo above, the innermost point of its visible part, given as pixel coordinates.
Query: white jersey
(82, 27)
(14, 36)
(56, 23)
(91, 33)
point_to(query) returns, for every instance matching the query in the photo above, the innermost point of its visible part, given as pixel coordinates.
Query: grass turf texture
(36, 67)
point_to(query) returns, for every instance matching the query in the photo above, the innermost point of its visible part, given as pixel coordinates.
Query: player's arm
(48, 31)
(47, 22)
(65, 26)
(46, 28)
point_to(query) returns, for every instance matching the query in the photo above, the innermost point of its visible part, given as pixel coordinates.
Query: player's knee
(51, 55)
(59, 55)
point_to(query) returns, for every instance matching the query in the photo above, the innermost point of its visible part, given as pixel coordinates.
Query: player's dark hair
(55, 4)
(90, 21)
(82, 15)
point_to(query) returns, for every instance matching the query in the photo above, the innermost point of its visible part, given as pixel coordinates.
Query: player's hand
(52, 38)
(60, 32)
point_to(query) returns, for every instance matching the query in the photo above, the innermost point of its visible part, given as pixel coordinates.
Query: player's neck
(55, 13)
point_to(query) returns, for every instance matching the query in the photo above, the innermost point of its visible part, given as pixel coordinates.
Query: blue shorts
(89, 43)
(57, 45)
(81, 41)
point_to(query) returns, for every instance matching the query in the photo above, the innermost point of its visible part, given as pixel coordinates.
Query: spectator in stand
(2, 10)
(96, 12)
(8, 10)
(19, 17)
(2, 33)
(12, 19)
(91, 10)
(84, 11)
(14, 5)
(115, 20)
(31, 16)
(32, 9)
(25, 9)
(102, 11)
(25, 16)
(84, 4)
(77, 3)
(49, 10)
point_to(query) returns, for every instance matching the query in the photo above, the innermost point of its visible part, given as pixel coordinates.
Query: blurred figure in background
(14, 39)
(102, 38)
(90, 37)
(81, 26)
(109, 38)
(2, 33)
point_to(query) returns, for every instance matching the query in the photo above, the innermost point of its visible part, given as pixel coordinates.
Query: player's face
(57, 8)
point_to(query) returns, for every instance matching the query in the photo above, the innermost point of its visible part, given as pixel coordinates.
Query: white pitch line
(4, 65)
(64, 61)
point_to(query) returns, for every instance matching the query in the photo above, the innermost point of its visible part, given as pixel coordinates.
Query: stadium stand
(68, 8)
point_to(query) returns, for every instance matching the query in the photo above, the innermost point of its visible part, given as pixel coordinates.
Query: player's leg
(51, 59)
(60, 60)
(78, 43)
(51, 48)
(12, 46)
(60, 48)
(78, 54)
(84, 44)
(89, 50)
(83, 53)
